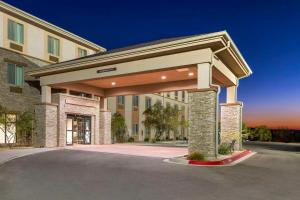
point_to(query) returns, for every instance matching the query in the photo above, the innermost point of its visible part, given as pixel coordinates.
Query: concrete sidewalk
(10, 154)
(134, 150)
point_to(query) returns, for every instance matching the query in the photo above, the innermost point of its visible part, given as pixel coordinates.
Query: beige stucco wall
(128, 114)
(68, 50)
(35, 41)
(1, 30)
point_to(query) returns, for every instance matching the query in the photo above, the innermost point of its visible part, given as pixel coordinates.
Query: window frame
(8, 31)
(5, 127)
(15, 75)
(146, 102)
(135, 100)
(79, 49)
(48, 46)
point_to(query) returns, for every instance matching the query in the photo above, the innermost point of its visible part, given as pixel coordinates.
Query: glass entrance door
(78, 129)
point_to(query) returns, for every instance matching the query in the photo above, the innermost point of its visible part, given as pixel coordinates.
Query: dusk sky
(266, 32)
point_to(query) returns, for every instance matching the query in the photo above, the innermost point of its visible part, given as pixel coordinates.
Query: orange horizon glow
(273, 120)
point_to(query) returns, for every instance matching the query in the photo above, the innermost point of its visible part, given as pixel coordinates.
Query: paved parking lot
(273, 173)
(134, 150)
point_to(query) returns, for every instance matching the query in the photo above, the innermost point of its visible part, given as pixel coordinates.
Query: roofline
(48, 25)
(78, 64)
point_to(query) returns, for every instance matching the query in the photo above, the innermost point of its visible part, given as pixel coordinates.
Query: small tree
(263, 133)
(163, 119)
(25, 127)
(154, 118)
(118, 127)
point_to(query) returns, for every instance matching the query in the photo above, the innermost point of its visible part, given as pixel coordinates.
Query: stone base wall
(202, 122)
(29, 95)
(231, 124)
(46, 125)
(105, 127)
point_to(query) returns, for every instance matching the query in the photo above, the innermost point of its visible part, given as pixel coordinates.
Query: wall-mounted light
(163, 77)
(113, 83)
(191, 74)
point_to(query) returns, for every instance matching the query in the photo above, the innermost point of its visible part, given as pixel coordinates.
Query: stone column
(202, 122)
(231, 124)
(46, 122)
(105, 127)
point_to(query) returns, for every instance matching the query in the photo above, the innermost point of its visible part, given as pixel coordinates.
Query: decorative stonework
(231, 124)
(46, 130)
(105, 127)
(202, 122)
(68, 104)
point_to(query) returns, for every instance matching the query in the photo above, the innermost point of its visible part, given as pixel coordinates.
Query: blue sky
(266, 32)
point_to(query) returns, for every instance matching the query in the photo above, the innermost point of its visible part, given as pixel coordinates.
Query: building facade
(28, 43)
(132, 108)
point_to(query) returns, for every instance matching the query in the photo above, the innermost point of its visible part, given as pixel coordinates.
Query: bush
(146, 139)
(131, 139)
(224, 149)
(195, 156)
(153, 140)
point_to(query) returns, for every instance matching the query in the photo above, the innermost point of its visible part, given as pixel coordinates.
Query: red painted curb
(221, 162)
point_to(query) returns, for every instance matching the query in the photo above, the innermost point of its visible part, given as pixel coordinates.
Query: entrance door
(78, 129)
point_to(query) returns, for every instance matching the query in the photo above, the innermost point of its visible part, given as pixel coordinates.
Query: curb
(225, 161)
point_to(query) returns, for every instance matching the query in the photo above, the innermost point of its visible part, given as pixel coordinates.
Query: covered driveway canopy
(163, 65)
(200, 64)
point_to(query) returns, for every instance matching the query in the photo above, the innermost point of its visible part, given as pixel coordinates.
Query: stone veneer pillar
(105, 127)
(202, 122)
(231, 124)
(46, 122)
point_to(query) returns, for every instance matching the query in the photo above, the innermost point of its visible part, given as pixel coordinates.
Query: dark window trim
(15, 62)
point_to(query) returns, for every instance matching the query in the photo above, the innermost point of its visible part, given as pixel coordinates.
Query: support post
(46, 94)
(105, 122)
(202, 122)
(231, 119)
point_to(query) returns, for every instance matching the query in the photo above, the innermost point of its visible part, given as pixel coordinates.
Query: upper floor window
(53, 46)
(183, 95)
(121, 100)
(15, 74)
(82, 52)
(135, 102)
(148, 102)
(15, 32)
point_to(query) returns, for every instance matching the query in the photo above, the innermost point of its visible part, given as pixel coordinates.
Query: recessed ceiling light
(163, 77)
(182, 70)
(191, 74)
(113, 83)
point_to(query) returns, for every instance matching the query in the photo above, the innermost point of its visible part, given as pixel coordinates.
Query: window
(82, 52)
(15, 74)
(53, 46)
(121, 100)
(168, 104)
(135, 102)
(8, 128)
(168, 94)
(15, 32)
(80, 94)
(183, 96)
(148, 102)
(135, 129)
(176, 95)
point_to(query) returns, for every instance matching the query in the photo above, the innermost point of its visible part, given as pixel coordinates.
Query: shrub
(131, 139)
(224, 149)
(157, 139)
(153, 140)
(195, 156)
(146, 139)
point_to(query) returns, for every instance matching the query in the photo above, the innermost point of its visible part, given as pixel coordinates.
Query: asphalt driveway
(69, 174)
